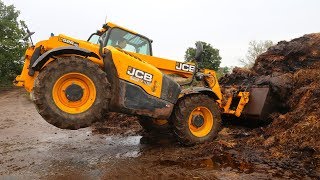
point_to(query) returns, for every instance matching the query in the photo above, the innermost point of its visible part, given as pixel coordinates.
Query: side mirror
(27, 36)
(199, 51)
(101, 42)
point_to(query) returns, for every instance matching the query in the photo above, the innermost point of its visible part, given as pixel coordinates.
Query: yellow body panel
(24, 80)
(211, 79)
(123, 61)
(165, 65)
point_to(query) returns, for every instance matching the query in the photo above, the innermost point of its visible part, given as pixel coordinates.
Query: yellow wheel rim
(82, 101)
(202, 128)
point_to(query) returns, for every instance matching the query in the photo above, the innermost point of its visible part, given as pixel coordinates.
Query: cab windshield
(124, 40)
(128, 41)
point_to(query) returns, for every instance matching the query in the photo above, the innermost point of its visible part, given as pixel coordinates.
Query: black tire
(148, 124)
(180, 118)
(43, 93)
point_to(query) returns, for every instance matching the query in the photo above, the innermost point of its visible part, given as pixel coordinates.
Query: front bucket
(260, 105)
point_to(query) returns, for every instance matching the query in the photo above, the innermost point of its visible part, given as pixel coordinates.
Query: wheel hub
(197, 121)
(74, 92)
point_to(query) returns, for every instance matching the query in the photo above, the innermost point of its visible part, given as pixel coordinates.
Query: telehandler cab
(74, 83)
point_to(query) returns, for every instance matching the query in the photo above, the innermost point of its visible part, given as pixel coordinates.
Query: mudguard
(38, 64)
(198, 90)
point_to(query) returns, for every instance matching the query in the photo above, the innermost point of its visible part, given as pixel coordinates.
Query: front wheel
(196, 119)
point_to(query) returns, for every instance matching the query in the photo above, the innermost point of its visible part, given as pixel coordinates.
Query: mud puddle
(223, 161)
(131, 143)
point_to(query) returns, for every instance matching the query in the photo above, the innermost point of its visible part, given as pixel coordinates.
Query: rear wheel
(154, 125)
(196, 119)
(71, 93)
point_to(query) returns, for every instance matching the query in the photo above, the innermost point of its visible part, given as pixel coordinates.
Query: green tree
(11, 50)
(210, 56)
(255, 49)
(223, 71)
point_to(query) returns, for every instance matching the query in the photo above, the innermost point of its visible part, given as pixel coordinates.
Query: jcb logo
(141, 75)
(185, 67)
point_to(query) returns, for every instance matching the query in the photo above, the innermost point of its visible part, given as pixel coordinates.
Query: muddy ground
(32, 148)
(291, 70)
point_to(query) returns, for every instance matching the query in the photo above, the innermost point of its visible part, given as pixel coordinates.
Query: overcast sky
(175, 25)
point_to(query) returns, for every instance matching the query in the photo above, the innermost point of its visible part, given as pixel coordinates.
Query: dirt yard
(32, 148)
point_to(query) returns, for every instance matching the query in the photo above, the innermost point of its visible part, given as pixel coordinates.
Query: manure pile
(292, 71)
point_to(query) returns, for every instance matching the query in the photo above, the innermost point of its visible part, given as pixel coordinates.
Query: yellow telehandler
(74, 83)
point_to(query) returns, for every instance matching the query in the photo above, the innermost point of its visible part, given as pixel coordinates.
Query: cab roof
(113, 25)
